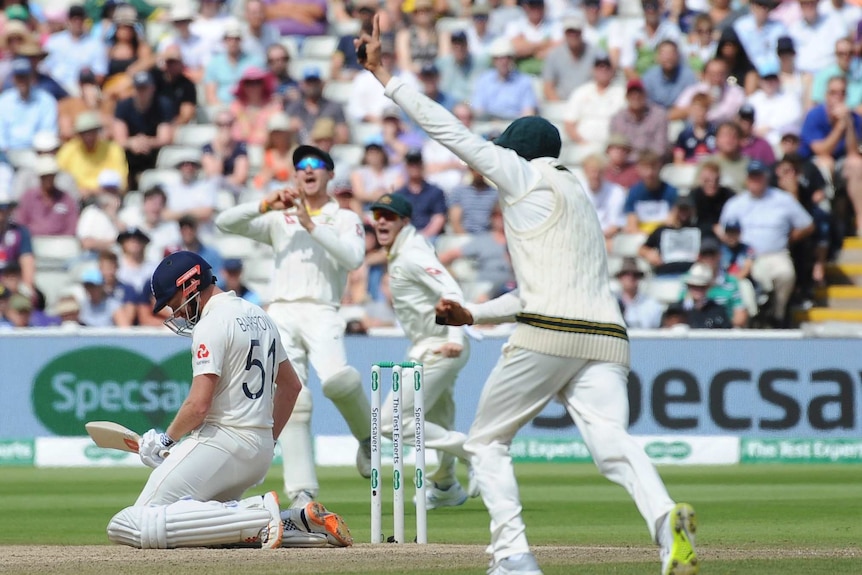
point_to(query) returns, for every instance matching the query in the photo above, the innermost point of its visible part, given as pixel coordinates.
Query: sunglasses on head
(384, 215)
(313, 162)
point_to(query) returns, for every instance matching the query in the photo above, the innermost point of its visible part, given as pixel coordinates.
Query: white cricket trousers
(211, 464)
(439, 375)
(314, 333)
(594, 393)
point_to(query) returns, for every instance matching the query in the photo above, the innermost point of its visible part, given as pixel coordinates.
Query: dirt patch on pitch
(362, 558)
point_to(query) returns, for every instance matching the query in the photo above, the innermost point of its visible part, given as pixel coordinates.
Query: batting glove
(154, 447)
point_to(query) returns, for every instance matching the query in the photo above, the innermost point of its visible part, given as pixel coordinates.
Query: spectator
(642, 123)
(417, 43)
(19, 310)
(725, 98)
(598, 26)
(640, 311)
(759, 33)
(322, 136)
(225, 69)
(728, 155)
(277, 60)
(725, 289)
(753, 146)
(375, 176)
(254, 106)
(31, 50)
(850, 14)
(16, 248)
(231, 276)
(397, 138)
(533, 36)
(97, 309)
(124, 295)
(700, 44)
(634, 50)
(225, 159)
(709, 198)
(668, 78)
(428, 201)
(191, 241)
(142, 125)
(258, 34)
(589, 109)
(429, 78)
(135, 271)
(17, 35)
(99, 223)
(741, 71)
(368, 101)
(771, 221)
(342, 193)
(459, 70)
(25, 110)
(697, 139)
(88, 155)
(149, 218)
(723, 15)
(211, 25)
(701, 311)
(845, 67)
(672, 247)
(297, 17)
(569, 65)
(442, 167)
(503, 93)
(471, 205)
(192, 195)
(773, 110)
(128, 50)
(44, 144)
(175, 86)
(830, 136)
(619, 169)
(72, 50)
(277, 169)
(345, 65)
(736, 258)
(67, 309)
(313, 105)
(650, 201)
(608, 198)
(47, 210)
(489, 253)
(481, 33)
(814, 35)
(194, 50)
(90, 99)
(792, 80)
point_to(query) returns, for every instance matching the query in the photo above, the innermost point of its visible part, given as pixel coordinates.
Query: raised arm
(246, 220)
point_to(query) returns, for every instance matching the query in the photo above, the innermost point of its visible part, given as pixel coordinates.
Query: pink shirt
(56, 216)
(726, 108)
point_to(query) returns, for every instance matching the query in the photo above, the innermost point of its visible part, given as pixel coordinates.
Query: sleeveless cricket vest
(562, 272)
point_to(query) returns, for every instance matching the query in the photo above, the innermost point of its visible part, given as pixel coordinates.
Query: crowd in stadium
(718, 140)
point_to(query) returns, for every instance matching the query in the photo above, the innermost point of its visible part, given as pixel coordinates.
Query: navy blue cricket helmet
(182, 270)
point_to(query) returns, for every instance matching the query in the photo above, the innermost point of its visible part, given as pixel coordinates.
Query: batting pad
(189, 523)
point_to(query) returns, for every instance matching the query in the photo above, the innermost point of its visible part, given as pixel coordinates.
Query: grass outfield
(756, 519)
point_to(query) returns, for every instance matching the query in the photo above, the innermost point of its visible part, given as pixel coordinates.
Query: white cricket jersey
(308, 266)
(417, 281)
(237, 341)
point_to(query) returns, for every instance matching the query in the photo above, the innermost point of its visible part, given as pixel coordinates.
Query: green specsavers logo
(664, 449)
(109, 383)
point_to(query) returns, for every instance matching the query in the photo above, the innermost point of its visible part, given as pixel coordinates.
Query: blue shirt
(854, 84)
(44, 82)
(225, 75)
(476, 207)
(67, 56)
(816, 127)
(21, 119)
(650, 206)
(430, 201)
(760, 44)
(767, 221)
(506, 99)
(663, 90)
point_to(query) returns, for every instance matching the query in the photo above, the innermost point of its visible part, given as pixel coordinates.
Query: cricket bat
(112, 435)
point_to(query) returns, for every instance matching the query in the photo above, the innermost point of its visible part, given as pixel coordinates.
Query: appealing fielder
(417, 280)
(242, 393)
(570, 342)
(316, 244)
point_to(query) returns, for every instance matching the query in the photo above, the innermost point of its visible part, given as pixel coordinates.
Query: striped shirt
(476, 205)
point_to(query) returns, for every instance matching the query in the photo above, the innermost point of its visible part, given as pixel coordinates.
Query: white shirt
(136, 276)
(418, 281)
(436, 153)
(778, 112)
(631, 37)
(815, 43)
(95, 224)
(68, 55)
(642, 312)
(192, 49)
(593, 110)
(211, 32)
(546, 30)
(183, 197)
(308, 267)
(848, 13)
(161, 235)
(609, 201)
(767, 221)
(368, 98)
(237, 341)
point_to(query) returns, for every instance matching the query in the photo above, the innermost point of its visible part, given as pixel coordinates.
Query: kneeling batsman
(221, 441)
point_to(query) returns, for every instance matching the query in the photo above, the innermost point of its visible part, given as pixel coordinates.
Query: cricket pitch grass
(764, 520)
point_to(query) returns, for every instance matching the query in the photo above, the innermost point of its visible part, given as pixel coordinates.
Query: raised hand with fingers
(368, 52)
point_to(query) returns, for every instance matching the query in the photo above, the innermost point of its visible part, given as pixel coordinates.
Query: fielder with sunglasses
(316, 244)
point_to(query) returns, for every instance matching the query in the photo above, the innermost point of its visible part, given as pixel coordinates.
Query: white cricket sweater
(309, 267)
(555, 241)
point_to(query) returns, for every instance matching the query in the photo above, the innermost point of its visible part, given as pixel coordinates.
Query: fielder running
(316, 244)
(417, 281)
(570, 344)
(242, 393)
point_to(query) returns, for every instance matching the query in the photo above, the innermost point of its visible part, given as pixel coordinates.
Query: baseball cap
(181, 13)
(46, 166)
(44, 142)
(573, 22)
(17, 12)
(109, 179)
(429, 69)
(21, 67)
(87, 76)
(501, 48)
(757, 167)
(233, 30)
(190, 156)
(92, 276)
(634, 84)
(710, 245)
(480, 11)
(685, 201)
(413, 156)
(142, 79)
(342, 188)
(188, 221)
(732, 226)
(87, 122)
(602, 59)
(785, 46)
(279, 122)
(133, 232)
(700, 274)
(768, 69)
(77, 11)
(534, 2)
(394, 203)
(232, 265)
(392, 112)
(459, 36)
(746, 111)
(306, 151)
(311, 73)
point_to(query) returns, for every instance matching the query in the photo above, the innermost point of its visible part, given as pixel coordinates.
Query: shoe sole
(270, 502)
(332, 523)
(683, 559)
